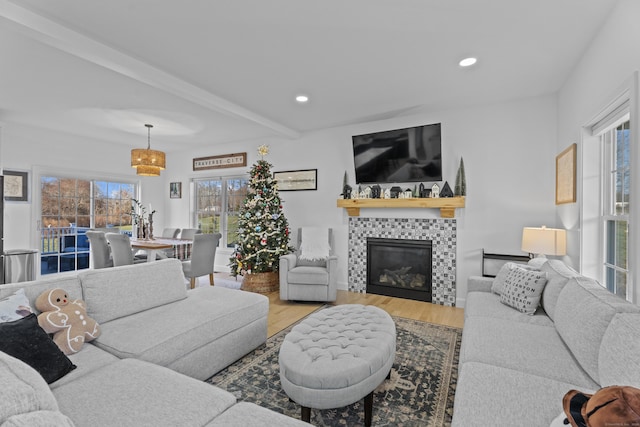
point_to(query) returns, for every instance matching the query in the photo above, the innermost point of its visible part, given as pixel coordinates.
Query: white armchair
(310, 273)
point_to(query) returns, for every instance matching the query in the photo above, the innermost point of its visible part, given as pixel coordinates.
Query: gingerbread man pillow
(67, 320)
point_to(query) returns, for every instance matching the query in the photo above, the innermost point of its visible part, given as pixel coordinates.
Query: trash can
(19, 265)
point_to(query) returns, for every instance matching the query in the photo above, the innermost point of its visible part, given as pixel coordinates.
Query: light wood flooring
(285, 313)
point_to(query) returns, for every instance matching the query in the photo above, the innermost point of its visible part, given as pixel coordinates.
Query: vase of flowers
(142, 223)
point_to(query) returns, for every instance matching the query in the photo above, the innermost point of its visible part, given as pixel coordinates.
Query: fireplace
(442, 232)
(399, 268)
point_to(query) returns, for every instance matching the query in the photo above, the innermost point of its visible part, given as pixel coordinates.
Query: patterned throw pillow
(498, 282)
(523, 288)
(14, 307)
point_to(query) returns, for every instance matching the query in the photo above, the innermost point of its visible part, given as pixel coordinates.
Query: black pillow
(24, 339)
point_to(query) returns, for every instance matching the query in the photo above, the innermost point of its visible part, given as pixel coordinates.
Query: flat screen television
(402, 155)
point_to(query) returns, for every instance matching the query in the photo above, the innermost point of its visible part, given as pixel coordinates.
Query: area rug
(419, 393)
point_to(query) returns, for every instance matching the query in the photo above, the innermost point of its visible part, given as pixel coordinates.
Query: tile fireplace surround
(441, 232)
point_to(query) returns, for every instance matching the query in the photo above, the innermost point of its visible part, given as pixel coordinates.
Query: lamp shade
(544, 241)
(148, 162)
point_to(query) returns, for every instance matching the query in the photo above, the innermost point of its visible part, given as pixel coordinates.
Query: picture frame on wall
(297, 180)
(175, 190)
(566, 175)
(16, 186)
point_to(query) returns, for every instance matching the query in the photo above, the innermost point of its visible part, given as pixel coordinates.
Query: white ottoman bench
(338, 356)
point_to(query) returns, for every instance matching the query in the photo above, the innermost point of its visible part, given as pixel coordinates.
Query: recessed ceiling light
(467, 62)
(302, 99)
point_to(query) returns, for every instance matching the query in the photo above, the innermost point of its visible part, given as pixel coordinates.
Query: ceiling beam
(53, 34)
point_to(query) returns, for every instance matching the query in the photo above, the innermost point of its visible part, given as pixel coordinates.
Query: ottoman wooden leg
(368, 409)
(305, 414)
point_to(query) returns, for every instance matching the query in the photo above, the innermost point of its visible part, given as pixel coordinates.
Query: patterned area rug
(419, 393)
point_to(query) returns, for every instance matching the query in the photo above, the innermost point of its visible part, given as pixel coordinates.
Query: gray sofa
(158, 342)
(515, 368)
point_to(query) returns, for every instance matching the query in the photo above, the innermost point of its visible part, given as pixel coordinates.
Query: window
(615, 217)
(71, 206)
(217, 204)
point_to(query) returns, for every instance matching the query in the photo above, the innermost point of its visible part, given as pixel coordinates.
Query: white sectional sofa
(515, 368)
(158, 342)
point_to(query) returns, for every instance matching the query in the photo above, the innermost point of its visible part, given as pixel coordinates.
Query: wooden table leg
(305, 414)
(368, 409)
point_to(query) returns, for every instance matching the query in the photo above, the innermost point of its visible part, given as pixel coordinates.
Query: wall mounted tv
(402, 155)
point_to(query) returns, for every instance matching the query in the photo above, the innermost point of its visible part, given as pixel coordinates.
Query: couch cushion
(522, 289)
(135, 393)
(169, 332)
(245, 414)
(86, 360)
(536, 350)
(23, 390)
(558, 273)
(26, 340)
(619, 357)
(488, 395)
(39, 419)
(145, 286)
(486, 304)
(582, 315)
(308, 276)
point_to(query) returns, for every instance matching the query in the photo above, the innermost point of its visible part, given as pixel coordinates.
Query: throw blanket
(315, 243)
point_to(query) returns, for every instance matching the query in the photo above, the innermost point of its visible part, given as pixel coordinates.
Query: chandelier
(148, 162)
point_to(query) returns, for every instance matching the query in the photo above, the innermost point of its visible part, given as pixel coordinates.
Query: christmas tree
(263, 230)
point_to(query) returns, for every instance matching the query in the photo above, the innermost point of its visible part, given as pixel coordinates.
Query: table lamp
(544, 241)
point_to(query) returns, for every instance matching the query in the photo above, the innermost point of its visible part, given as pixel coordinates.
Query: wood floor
(285, 313)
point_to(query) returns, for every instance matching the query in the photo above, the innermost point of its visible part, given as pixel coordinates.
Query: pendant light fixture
(148, 162)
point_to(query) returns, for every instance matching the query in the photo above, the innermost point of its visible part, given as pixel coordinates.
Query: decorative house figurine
(346, 191)
(375, 192)
(446, 190)
(395, 191)
(435, 191)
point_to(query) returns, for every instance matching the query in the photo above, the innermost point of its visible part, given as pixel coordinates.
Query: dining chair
(188, 233)
(121, 250)
(171, 233)
(203, 254)
(99, 249)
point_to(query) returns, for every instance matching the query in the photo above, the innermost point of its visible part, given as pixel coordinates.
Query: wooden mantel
(447, 205)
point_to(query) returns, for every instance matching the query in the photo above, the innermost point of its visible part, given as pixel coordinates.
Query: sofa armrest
(479, 284)
(288, 261)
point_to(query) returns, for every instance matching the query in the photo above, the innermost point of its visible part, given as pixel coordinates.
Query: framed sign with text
(219, 162)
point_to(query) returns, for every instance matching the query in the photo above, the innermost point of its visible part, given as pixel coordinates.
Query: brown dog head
(609, 406)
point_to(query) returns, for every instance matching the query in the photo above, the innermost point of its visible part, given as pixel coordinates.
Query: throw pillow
(498, 282)
(14, 307)
(523, 288)
(24, 339)
(66, 319)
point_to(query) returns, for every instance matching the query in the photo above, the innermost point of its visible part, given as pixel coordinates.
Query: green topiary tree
(263, 230)
(461, 181)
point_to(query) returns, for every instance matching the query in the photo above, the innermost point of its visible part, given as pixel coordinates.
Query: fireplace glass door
(399, 268)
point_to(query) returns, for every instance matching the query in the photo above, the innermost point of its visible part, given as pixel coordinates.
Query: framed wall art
(297, 180)
(175, 190)
(566, 175)
(219, 162)
(16, 186)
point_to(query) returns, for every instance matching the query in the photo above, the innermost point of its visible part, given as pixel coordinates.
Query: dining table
(156, 248)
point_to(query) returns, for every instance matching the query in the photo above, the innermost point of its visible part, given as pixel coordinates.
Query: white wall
(509, 155)
(609, 62)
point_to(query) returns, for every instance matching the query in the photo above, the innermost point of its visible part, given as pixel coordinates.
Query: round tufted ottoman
(338, 356)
